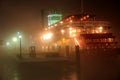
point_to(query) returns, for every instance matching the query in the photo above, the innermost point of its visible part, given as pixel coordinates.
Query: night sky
(25, 15)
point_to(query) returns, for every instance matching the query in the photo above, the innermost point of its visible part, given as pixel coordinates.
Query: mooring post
(77, 52)
(67, 51)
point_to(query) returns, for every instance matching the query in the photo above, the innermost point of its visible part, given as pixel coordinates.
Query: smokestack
(42, 18)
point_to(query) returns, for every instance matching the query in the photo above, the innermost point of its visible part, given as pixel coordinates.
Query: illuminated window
(53, 18)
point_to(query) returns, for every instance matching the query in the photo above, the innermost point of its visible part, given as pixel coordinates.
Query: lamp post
(15, 41)
(20, 36)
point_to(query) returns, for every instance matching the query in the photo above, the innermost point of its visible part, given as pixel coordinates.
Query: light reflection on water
(72, 76)
(47, 74)
(31, 72)
(95, 67)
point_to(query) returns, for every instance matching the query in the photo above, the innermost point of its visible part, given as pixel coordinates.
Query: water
(13, 69)
(92, 67)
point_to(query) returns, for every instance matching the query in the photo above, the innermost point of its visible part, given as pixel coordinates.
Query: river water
(92, 67)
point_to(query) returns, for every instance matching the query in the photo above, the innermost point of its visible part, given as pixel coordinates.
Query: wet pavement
(92, 67)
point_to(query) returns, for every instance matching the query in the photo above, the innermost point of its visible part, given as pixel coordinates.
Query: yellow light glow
(45, 28)
(72, 16)
(63, 39)
(100, 27)
(84, 17)
(70, 28)
(14, 39)
(76, 42)
(61, 22)
(47, 36)
(70, 32)
(74, 31)
(73, 35)
(81, 19)
(87, 16)
(55, 25)
(62, 31)
(71, 21)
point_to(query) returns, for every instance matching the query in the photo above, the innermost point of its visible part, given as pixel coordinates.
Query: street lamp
(15, 41)
(20, 37)
(47, 38)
